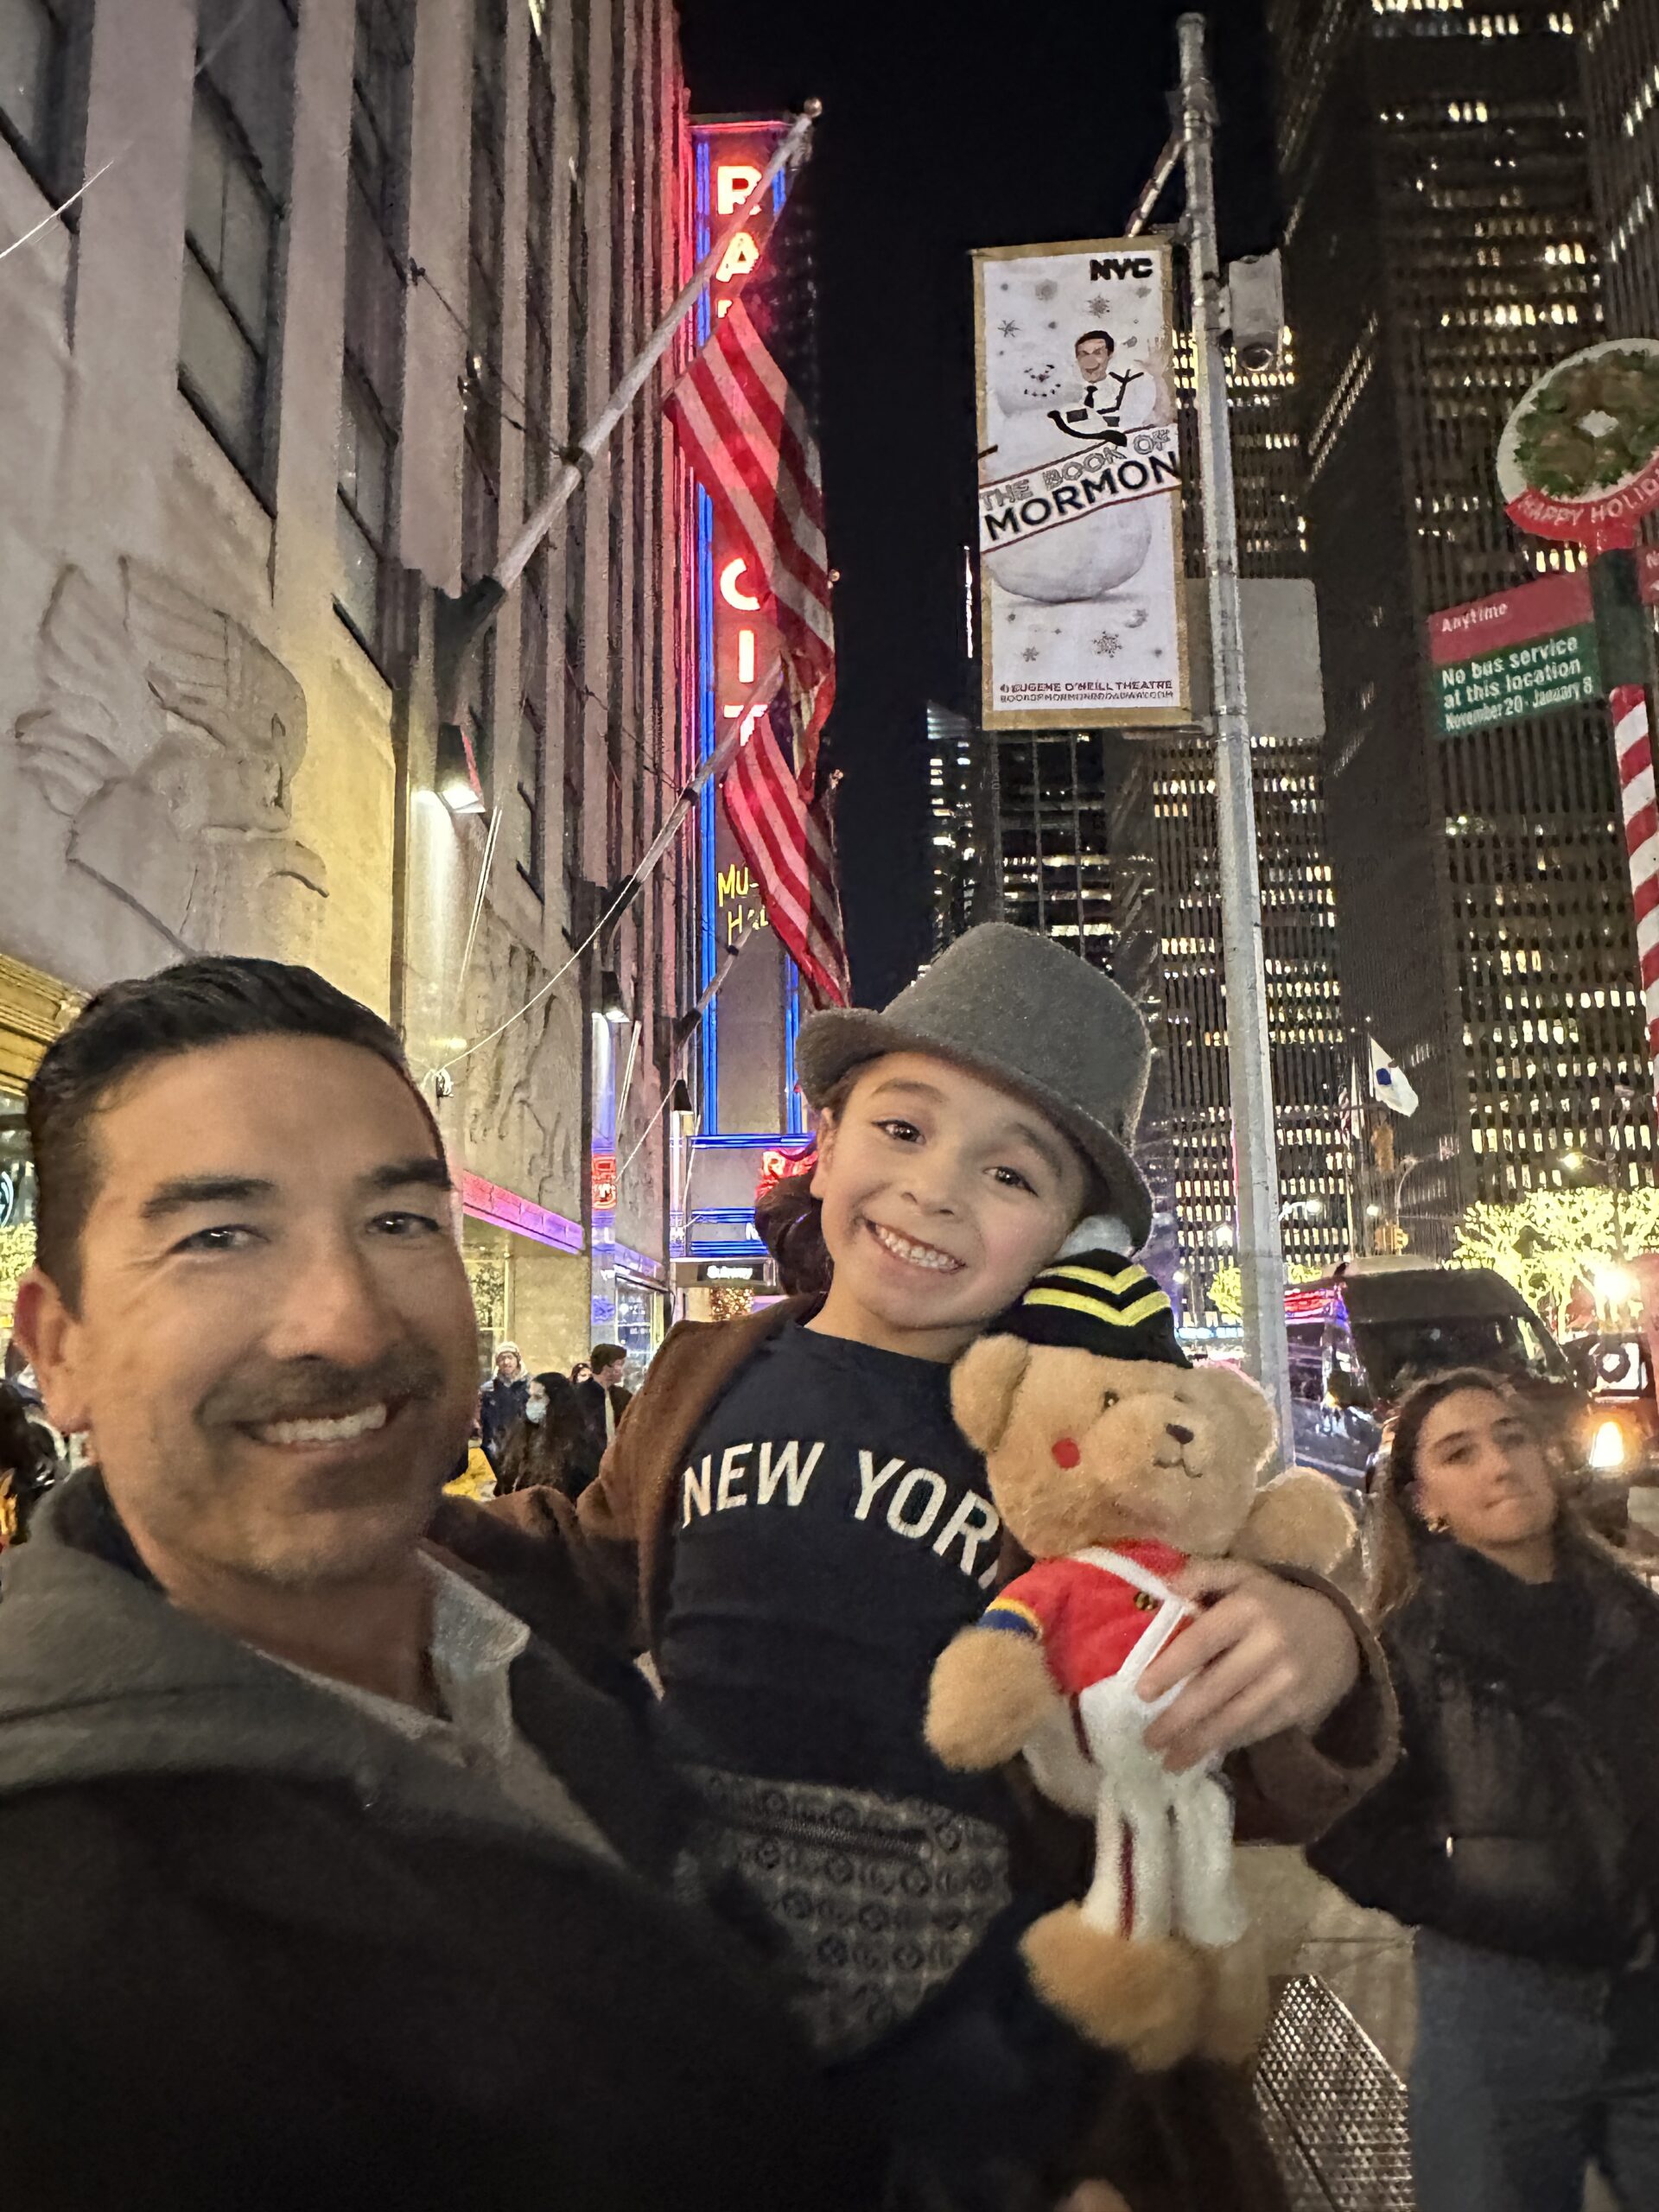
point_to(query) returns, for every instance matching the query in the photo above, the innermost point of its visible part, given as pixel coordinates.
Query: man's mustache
(314, 1390)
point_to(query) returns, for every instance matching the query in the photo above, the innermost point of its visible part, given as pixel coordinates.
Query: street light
(612, 1004)
(455, 781)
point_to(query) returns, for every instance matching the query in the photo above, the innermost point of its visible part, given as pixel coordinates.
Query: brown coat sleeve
(1292, 1787)
(608, 1551)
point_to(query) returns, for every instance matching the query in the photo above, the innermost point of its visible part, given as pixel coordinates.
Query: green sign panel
(1536, 678)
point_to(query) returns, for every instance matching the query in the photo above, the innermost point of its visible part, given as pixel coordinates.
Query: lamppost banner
(1081, 611)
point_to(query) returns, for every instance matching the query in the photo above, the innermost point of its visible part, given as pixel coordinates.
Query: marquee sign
(746, 1033)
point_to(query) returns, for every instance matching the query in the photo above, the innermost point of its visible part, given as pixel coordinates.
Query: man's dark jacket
(592, 1395)
(259, 1950)
(500, 1408)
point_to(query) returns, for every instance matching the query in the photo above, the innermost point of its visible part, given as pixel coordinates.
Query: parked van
(1360, 1339)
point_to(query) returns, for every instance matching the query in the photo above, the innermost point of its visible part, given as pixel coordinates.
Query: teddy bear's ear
(982, 1387)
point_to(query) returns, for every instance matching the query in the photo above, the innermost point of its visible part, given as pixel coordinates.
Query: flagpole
(577, 464)
(716, 764)
(463, 618)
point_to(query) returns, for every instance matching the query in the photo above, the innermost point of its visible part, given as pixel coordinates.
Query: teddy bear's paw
(1300, 1519)
(1234, 2017)
(1144, 1998)
(989, 1692)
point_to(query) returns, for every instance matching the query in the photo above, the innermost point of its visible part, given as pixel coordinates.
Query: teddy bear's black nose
(1180, 1435)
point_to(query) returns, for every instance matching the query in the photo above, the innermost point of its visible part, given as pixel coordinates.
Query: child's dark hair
(789, 1220)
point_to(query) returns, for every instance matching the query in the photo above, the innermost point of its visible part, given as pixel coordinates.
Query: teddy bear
(1112, 1461)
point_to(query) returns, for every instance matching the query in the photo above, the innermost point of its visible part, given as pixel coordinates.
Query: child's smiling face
(943, 1195)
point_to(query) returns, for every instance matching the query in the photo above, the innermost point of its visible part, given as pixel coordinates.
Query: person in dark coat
(324, 1883)
(553, 1446)
(604, 1397)
(501, 1402)
(1519, 1833)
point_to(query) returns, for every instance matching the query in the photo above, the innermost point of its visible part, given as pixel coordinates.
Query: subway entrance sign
(1529, 651)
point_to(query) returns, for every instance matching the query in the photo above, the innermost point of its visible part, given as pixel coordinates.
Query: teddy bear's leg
(1134, 1795)
(1208, 1907)
(1107, 1905)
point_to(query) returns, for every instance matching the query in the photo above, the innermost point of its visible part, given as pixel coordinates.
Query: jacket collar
(1457, 1587)
(101, 1680)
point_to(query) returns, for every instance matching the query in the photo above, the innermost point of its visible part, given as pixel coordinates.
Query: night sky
(944, 129)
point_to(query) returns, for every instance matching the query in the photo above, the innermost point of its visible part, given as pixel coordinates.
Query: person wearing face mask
(553, 1446)
(1519, 1834)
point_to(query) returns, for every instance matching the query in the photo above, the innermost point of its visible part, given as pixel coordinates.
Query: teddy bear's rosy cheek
(1066, 1453)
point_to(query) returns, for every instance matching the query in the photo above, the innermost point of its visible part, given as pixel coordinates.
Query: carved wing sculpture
(170, 737)
(98, 722)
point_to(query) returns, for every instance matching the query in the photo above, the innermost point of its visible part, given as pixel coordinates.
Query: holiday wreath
(1590, 425)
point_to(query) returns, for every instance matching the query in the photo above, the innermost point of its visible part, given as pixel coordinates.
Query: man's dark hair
(144, 1018)
(604, 1356)
(1104, 336)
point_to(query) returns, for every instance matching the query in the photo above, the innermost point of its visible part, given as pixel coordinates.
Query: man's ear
(50, 1334)
(983, 1384)
(826, 1146)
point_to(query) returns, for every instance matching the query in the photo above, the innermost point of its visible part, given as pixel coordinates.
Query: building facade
(1618, 47)
(296, 364)
(1442, 249)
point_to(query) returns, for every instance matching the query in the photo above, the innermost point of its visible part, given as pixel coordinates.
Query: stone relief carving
(170, 737)
(523, 1093)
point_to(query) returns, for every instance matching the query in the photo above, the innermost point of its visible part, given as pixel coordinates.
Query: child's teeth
(919, 1255)
(344, 1430)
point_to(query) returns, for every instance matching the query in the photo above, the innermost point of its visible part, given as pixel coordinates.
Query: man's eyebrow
(185, 1190)
(398, 1174)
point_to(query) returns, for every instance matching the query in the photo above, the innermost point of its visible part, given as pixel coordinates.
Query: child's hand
(1265, 1655)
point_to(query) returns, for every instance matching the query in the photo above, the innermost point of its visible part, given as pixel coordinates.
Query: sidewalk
(1348, 2157)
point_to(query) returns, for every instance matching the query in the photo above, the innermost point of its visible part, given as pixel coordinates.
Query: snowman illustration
(1039, 406)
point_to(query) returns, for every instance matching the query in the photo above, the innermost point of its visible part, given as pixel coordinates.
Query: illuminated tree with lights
(1552, 1244)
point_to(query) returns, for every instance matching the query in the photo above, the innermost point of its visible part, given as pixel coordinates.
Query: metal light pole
(1261, 1241)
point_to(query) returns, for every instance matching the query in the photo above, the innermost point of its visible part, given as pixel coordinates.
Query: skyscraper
(1442, 250)
(1619, 48)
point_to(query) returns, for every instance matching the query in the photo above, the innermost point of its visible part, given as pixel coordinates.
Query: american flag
(750, 446)
(785, 838)
(748, 443)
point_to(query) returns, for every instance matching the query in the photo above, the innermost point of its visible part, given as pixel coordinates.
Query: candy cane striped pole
(1633, 746)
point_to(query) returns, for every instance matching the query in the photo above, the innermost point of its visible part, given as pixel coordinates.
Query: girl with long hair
(553, 1446)
(1519, 1834)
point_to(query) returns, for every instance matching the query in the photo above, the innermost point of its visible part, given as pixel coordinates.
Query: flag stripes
(745, 435)
(787, 841)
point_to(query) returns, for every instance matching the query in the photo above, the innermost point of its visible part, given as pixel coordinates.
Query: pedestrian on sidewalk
(791, 1526)
(553, 1446)
(1519, 1834)
(501, 1402)
(323, 1882)
(604, 1396)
